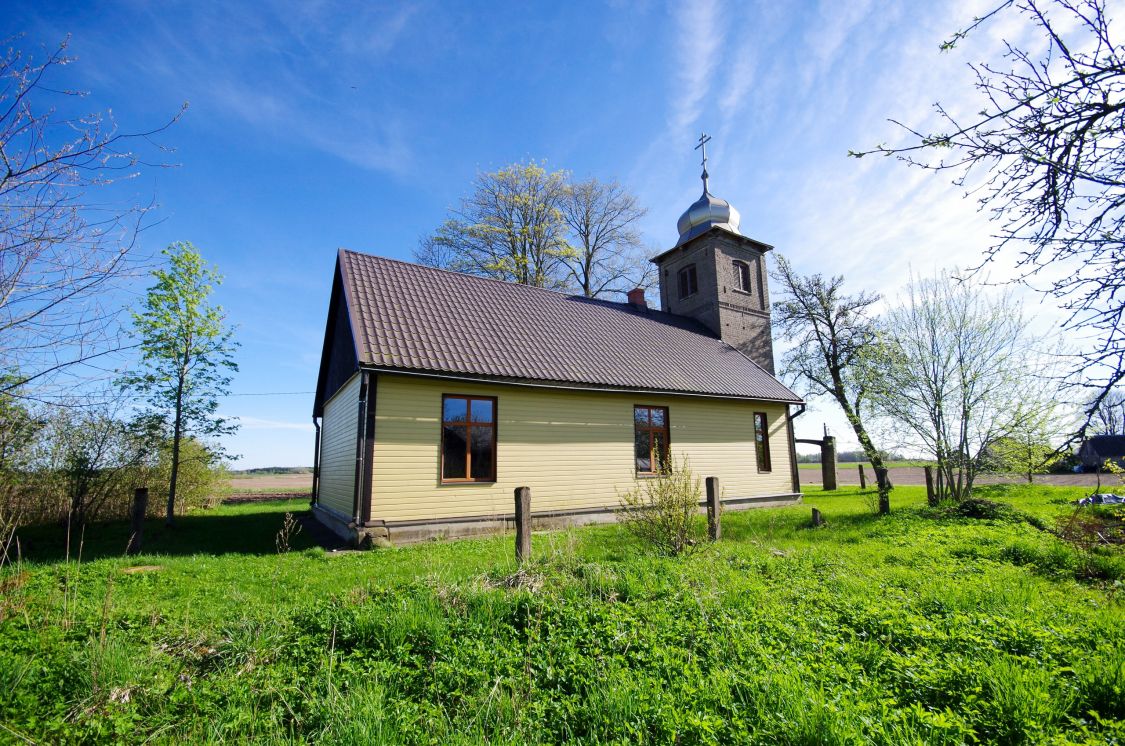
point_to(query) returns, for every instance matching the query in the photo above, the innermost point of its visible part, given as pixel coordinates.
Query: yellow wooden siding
(574, 449)
(337, 448)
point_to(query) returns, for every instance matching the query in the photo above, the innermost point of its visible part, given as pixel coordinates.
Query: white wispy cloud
(700, 39)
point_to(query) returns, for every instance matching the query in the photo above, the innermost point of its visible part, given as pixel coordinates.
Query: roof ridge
(478, 277)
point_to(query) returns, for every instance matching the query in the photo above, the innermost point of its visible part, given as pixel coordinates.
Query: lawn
(914, 628)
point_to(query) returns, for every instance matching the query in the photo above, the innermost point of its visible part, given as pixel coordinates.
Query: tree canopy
(527, 225)
(64, 243)
(186, 353)
(1045, 157)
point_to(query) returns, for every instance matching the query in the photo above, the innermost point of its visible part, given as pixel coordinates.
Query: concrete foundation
(380, 533)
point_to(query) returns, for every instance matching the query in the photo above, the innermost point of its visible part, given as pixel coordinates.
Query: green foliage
(895, 630)
(186, 353)
(662, 511)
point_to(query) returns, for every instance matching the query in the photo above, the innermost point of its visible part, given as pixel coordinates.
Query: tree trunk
(177, 433)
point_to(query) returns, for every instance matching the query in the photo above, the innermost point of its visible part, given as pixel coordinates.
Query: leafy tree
(606, 255)
(1044, 155)
(94, 453)
(186, 354)
(1027, 447)
(523, 224)
(953, 372)
(510, 228)
(829, 332)
(63, 246)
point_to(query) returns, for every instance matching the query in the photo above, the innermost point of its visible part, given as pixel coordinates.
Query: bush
(660, 511)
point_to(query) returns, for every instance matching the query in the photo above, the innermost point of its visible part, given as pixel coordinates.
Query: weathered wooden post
(817, 518)
(137, 529)
(714, 509)
(828, 462)
(931, 494)
(862, 478)
(523, 524)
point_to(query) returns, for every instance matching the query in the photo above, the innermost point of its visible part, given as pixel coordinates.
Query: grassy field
(914, 628)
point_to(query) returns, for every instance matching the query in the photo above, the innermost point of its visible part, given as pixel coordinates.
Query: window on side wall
(742, 276)
(650, 439)
(762, 440)
(468, 438)
(688, 284)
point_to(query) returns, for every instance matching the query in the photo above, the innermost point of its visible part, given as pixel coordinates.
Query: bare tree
(1046, 157)
(607, 251)
(1109, 414)
(62, 249)
(509, 228)
(955, 372)
(830, 332)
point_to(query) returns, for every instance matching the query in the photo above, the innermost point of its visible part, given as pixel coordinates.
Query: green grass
(921, 627)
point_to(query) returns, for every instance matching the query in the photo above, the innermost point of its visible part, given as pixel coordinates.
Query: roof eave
(571, 385)
(759, 245)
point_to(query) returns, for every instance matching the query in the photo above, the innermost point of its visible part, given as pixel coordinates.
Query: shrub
(660, 511)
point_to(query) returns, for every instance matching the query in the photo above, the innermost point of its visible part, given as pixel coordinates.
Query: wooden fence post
(714, 509)
(817, 518)
(828, 462)
(137, 529)
(523, 524)
(862, 478)
(931, 494)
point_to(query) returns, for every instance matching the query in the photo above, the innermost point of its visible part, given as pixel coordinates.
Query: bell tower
(717, 276)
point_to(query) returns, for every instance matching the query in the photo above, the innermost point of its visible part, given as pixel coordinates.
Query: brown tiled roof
(410, 317)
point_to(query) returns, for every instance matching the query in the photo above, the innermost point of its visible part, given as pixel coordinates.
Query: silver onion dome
(706, 213)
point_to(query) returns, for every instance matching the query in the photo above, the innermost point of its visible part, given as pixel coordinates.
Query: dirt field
(849, 474)
(271, 484)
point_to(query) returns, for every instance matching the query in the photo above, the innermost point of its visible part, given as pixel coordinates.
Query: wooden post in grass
(137, 529)
(862, 478)
(817, 518)
(931, 494)
(523, 524)
(828, 462)
(714, 509)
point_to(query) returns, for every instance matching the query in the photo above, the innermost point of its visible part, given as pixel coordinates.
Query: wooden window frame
(692, 287)
(665, 430)
(469, 425)
(742, 272)
(762, 447)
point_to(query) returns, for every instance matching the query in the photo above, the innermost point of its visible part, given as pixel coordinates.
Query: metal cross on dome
(704, 138)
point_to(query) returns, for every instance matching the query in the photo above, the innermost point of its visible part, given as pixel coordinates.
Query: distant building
(1095, 451)
(440, 393)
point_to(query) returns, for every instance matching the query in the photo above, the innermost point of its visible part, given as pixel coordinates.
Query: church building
(440, 393)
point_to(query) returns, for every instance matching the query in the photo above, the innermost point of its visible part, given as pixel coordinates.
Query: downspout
(360, 451)
(793, 445)
(314, 497)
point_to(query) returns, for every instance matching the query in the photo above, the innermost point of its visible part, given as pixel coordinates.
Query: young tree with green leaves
(510, 228)
(186, 353)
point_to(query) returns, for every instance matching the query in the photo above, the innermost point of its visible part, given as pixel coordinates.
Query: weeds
(661, 511)
(290, 527)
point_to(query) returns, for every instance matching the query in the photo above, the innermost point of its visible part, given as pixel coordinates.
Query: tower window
(688, 282)
(742, 276)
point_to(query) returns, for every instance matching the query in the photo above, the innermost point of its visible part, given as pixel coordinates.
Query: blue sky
(319, 125)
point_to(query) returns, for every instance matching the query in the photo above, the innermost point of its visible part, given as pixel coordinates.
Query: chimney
(637, 298)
